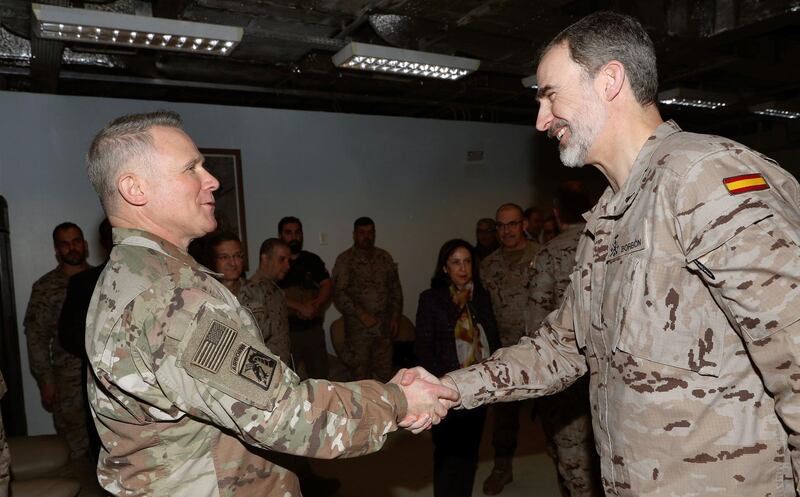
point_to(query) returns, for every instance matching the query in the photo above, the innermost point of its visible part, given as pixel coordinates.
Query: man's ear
(613, 78)
(131, 187)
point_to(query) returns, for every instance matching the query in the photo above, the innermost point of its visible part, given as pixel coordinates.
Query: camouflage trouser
(69, 412)
(567, 424)
(369, 353)
(5, 462)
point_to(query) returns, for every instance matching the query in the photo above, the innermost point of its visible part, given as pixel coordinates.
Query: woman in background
(455, 329)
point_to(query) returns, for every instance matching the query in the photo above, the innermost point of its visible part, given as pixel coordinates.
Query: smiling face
(229, 259)
(180, 191)
(511, 225)
(570, 110)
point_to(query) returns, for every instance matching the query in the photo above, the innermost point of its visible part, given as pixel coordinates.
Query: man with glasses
(227, 258)
(507, 274)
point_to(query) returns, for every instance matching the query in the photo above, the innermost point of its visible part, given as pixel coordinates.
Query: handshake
(428, 397)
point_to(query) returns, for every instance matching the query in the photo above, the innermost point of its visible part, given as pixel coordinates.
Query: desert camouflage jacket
(684, 305)
(185, 386)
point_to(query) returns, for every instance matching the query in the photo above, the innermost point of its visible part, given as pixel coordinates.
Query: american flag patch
(745, 183)
(216, 344)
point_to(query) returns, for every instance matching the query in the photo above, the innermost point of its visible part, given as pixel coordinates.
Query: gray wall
(410, 175)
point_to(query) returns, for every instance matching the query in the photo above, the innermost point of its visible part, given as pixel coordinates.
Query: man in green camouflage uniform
(5, 454)
(507, 273)
(565, 416)
(57, 372)
(266, 300)
(184, 389)
(684, 304)
(367, 292)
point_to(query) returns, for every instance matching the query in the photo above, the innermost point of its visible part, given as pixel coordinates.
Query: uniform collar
(615, 204)
(140, 238)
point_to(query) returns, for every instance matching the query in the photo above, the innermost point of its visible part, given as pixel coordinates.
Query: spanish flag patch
(745, 183)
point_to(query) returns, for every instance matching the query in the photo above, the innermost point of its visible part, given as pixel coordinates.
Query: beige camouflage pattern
(565, 416)
(507, 277)
(367, 282)
(185, 389)
(5, 454)
(267, 302)
(51, 364)
(694, 373)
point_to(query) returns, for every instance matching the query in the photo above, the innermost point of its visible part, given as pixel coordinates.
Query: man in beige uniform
(58, 373)
(183, 389)
(565, 416)
(367, 291)
(507, 273)
(265, 299)
(685, 299)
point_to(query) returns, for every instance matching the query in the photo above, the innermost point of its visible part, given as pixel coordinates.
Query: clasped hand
(427, 396)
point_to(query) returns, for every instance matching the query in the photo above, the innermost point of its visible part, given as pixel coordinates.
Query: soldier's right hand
(428, 400)
(49, 394)
(367, 319)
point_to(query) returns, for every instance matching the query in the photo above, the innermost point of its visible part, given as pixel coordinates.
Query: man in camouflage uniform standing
(367, 292)
(57, 372)
(507, 273)
(565, 416)
(266, 300)
(183, 383)
(5, 454)
(684, 305)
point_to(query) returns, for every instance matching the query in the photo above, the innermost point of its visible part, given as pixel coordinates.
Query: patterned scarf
(471, 343)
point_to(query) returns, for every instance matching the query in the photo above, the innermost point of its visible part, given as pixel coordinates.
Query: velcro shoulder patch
(745, 183)
(218, 352)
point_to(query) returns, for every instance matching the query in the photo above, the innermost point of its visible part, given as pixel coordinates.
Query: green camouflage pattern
(185, 393)
(265, 299)
(52, 365)
(684, 308)
(565, 416)
(367, 282)
(508, 280)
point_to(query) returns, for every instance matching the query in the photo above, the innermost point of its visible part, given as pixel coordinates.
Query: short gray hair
(604, 36)
(122, 141)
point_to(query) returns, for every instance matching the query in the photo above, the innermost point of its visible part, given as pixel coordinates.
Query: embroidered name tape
(745, 183)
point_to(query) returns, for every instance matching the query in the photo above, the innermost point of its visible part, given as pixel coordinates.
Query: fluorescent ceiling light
(771, 109)
(530, 82)
(111, 28)
(691, 98)
(390, 60)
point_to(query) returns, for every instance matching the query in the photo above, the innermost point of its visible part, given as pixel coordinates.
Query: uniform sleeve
(214, 368)
(542, 364)
(543, 289)
(747, 254)
(395, 292)
(39, 338)
(341, 284)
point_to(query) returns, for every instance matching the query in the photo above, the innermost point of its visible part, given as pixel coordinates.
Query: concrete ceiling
(746, 50)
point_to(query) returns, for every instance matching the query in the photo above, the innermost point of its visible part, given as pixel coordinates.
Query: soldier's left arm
(741, 238)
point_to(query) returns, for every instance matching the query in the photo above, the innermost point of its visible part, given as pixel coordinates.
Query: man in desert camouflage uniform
(565, 416)
(57, 372)
(266, 300)
(368, 294)
(5, 454)
(685, 299)
(183, 382)
(507, 273)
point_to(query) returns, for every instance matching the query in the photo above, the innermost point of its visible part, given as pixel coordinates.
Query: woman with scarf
(455, 329)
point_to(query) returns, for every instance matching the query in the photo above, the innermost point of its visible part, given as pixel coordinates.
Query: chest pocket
(667, 316)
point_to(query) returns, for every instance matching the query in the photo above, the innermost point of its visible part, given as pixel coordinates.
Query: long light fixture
(771, 109)
(388, 60)
(530, 82)
(111, 28)
(684, 97)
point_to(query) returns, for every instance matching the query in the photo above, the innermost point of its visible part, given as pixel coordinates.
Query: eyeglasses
(230, 257)
(510, 224)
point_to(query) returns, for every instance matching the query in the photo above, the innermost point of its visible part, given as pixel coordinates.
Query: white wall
(327, 169)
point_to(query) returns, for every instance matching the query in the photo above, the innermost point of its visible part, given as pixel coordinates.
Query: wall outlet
(323, 238)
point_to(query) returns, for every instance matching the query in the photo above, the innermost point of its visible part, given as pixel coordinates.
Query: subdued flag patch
(216, 344)
(745, 183)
